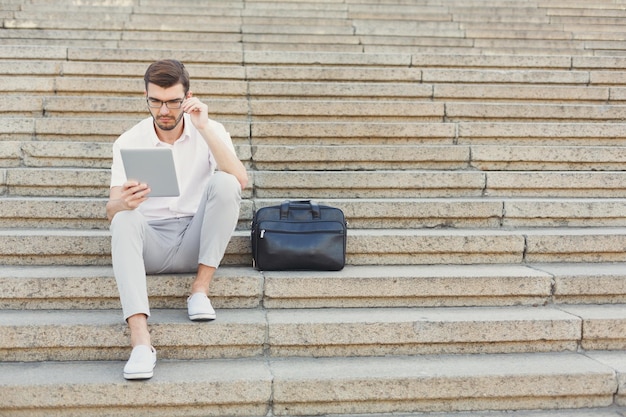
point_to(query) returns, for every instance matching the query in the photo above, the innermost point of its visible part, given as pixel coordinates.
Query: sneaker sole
(202, 316)
(142, 375)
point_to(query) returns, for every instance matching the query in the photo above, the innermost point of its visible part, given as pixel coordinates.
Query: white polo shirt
(194, 166)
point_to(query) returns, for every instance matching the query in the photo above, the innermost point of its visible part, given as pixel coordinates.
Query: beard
(167, 122)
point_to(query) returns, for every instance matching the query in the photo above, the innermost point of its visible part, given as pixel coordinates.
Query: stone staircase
(477, 148)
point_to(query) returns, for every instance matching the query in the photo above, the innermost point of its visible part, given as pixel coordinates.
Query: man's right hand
(127, 197)
(134, 193)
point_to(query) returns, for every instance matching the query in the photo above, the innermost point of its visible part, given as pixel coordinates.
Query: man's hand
(197, 110)
(127, 197)
(134, 193)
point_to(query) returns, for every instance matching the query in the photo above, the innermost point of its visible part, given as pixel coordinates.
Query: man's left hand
(198, 111)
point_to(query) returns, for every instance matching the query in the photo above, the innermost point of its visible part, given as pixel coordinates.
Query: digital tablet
(152, 166)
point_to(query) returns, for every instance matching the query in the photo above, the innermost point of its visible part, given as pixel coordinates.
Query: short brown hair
(167, 73)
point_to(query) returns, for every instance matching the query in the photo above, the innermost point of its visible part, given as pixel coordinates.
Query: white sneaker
(199, 307)
(141, 363)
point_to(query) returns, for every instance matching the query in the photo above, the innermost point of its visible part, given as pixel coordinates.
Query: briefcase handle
(284, 208)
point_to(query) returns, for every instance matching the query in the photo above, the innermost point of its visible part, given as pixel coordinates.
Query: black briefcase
(299, 235)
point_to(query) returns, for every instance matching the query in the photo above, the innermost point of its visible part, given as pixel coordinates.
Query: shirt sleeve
(118, 174)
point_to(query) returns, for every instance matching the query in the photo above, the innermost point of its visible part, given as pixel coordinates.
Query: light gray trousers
(178, 245)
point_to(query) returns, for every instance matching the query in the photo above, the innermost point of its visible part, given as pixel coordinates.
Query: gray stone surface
(416, 383)
(408, 286)
(187, 388)
(310, 386)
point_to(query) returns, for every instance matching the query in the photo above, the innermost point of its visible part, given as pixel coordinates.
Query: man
(188, 233)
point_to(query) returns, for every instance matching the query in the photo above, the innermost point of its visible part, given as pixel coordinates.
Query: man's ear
(189, 94)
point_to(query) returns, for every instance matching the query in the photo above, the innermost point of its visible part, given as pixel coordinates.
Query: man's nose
(164, 109)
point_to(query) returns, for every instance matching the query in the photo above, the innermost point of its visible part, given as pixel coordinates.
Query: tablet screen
(153, 166)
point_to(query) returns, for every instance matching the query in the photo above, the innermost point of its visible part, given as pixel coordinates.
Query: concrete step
(416, 111)
(434, 183)
(135, 71)
(532, 112)
(92, 101)
(93, 287)
(179, 24)
(572, 70)
(501, 62)
(69, 335)
(332, 110)
(490, 133)
(383, 25)
(53, 213)
(60, 182)
(307, 386)
(55, 154)
(510, 76)
(262, 62)
(473, 212)
(459, 156)
(74, 129)
(330, 28)
(72, 335)
(596, 321)
(55, 247)
(613, 411)
(364, 213)
(364, 247)
(565, 27)
(322, 128)
(453, 91)
(325, 108)
(74, 213)
(54, 39)
(584, 136)
(464, 72)
(103, 107)
(346, 157)
(30, 12)
(447, 285)
(471, 246)
(559, 157)
(599, 134)
(94, 182)
(88, 213)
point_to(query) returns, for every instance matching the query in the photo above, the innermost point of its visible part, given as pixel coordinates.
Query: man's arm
(126, 197)
(226, 159)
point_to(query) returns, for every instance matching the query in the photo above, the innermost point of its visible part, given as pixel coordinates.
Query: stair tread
(319, 332)
(307, 384)
(306, 330)
(311, 369)
(596, 412)
(93, 287)
(62, 318)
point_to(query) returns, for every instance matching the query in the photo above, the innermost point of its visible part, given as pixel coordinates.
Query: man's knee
(224, 185)
(126, 220)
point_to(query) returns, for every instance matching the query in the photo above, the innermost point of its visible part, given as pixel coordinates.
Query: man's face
(165, 105)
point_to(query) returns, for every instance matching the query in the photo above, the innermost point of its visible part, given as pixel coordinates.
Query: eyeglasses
(172, 104)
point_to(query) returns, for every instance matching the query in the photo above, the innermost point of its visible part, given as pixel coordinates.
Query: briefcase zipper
(320, 227)
(290, 232)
